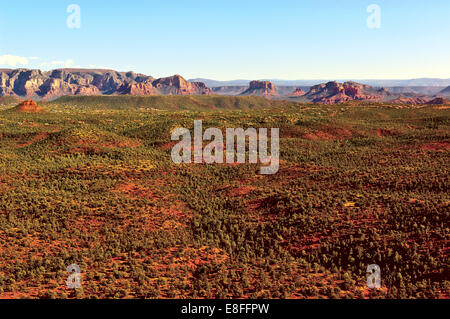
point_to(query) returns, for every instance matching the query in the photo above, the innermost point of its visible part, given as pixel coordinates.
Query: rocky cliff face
(334, 92)
(55, 83)
(177, 85)
(143, 88)
(261, 88)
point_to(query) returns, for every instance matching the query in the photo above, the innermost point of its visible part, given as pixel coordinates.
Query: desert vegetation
(90, 181)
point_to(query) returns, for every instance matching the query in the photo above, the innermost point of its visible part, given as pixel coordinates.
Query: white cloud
(93, 66)
(53, 64)
(33, 61)
(12, 60)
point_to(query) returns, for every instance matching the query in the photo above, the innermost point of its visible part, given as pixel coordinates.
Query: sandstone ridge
(52, 84)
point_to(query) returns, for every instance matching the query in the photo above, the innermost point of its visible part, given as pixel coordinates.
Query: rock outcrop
(177, 85)
(28, 106)
(87, 90)
(144, 88)
(201, 88)
(335, 92)
(297, 92)
(261, 88)
(52, 84)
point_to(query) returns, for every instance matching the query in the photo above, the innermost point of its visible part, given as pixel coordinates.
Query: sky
(226, 40)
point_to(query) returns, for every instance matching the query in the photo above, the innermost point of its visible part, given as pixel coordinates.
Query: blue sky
(224, 40)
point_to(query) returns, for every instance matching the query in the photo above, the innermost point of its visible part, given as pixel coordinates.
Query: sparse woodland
(358, 184)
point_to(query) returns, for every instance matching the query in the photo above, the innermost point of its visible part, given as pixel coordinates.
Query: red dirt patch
(436, 146)
(383, 132)
(87, 146)
(168, 146)
(135, 190)
(329, 134)
(241, 191)
(38, 137)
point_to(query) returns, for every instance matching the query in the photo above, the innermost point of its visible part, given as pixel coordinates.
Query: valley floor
(357, 185)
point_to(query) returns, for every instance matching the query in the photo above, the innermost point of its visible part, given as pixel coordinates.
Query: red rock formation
(28, 106)
(87, 90)
(138, 89)
(334, 92)
(54, 87)
(202, 88)
(297, 92)
(55, 83)
(261, 88)
(177, 85)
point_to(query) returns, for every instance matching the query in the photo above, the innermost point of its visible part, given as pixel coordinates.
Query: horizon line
(229, 80)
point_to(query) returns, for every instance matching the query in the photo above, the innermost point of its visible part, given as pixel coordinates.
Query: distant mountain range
(335, 92)
(378, 83)
(48, 85)
(55, 83)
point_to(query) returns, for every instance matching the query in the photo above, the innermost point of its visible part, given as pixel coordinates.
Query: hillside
(9, 100)
(445, 91)
(356, 185)
(163, 102)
